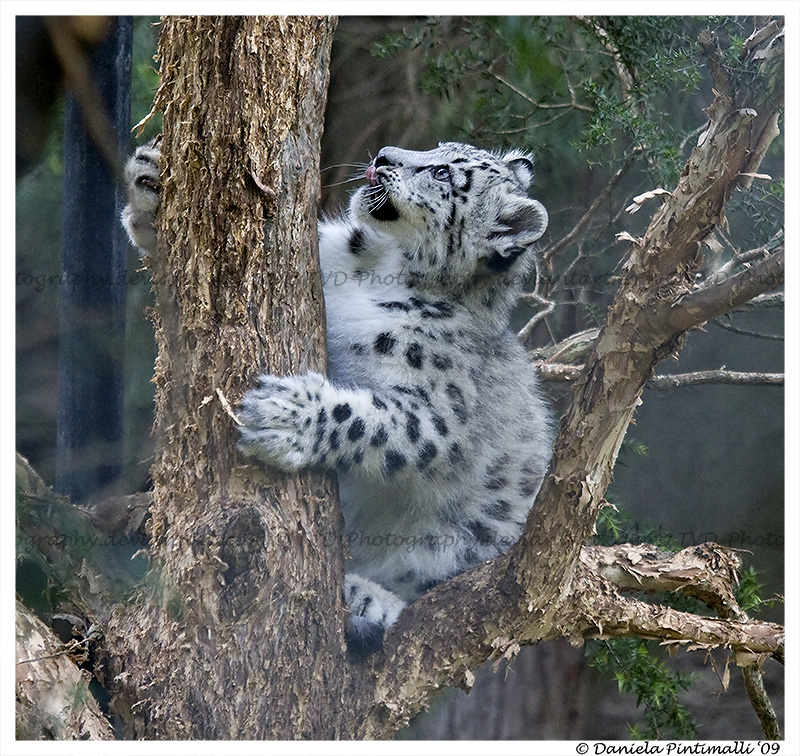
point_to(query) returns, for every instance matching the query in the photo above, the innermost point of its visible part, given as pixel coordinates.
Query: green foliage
(748, 593)
(639, 672)
(614, 525)
(603, 81)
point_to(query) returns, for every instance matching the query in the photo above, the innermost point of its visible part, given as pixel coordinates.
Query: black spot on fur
(356, 429)
(426, 455)
(494, 477)
(441, 361)
(412, 427)
(380, 437)
(455, 455)
(333, 439)
(415, 391)
(341, 412)
(395, 305)
(496, 483)
(355, 243)
(378, 402)
(457, 403)
(497, 510)
(438, 310)
(394, 461)
(385, 343)
(322, 420)
(467, 559)
(482, 534)
(414, 355)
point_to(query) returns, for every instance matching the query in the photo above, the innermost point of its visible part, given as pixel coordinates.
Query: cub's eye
(441, 173)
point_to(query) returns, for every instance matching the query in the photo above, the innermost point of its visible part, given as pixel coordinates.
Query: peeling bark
(53, 701)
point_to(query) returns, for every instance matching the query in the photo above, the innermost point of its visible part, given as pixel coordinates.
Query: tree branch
(754, 685)
(747, 332)
(483, 615)
(701, 305)
(722, 376)
(563, 373)
(616, 616)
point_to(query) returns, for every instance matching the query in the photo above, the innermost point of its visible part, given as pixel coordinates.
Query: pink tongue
(370, 173)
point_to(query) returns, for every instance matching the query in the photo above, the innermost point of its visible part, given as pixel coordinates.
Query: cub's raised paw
(142, 173)
(278, 419)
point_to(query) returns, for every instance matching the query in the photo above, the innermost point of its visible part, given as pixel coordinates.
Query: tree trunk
(246, 565)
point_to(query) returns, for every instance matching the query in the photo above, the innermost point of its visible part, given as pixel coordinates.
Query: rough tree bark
(238, 632)
(247, 565)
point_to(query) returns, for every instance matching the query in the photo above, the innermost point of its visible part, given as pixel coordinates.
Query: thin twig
(573, 105)
(556, 372)
(555, 248)
(746, 332)
(722, 376)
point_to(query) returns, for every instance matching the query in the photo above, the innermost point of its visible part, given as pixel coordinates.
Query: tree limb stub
(706, 571)
(703, 304)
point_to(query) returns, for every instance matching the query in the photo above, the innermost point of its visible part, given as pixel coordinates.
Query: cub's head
(460, 215)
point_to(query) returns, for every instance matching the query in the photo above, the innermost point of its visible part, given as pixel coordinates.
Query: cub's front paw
(279, 418)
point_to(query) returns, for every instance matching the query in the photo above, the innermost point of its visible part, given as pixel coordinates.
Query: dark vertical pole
(93, 263)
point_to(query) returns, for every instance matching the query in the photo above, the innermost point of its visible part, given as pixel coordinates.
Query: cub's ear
(521, 166)
(518, 225)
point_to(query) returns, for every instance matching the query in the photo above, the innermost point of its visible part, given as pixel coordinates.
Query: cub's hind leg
(372, 609)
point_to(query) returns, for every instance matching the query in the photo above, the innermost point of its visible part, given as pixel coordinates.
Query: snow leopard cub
(431, 414)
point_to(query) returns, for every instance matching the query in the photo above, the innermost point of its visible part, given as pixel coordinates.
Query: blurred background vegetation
(610, 107)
